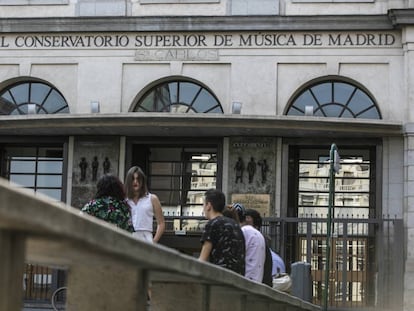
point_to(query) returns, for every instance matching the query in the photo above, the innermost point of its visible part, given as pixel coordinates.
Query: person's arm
(159, 217)
(205, 251)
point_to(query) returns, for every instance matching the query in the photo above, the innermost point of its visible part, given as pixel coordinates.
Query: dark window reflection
(179, 97)
(37, 168)
(334, 99)
(15, 100)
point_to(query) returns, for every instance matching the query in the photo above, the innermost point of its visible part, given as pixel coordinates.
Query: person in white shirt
(255, 247)
(144, 206)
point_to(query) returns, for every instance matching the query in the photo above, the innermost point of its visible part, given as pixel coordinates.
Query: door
(352, 256)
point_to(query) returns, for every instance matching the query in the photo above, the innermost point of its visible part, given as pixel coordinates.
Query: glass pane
(22, 166)
(347, 114)
(54, 102)
(165, 182)
(342, 92)
(38, 93)
(195, 197)
(50, 167)
(360, 101)
(53, 193)
(165, 154)
(314, 184)
(165, 168)
(147, 104)
(50, 153)
(352, 199)
(323, 92)
(313, 198)
(188, 92)
(169, 198)
(314, 169)
(217, 109)
(204, 101)
(173, 90)
(372, 113)
(23, 180)
(179, 108)
(193, 210)
(51, 181)
(305, 99)
(6, 104)
(332, 110)
(179, 97)
(193, 225)
(203, 182)
(21, 152)
(20, 93)
(359, 104)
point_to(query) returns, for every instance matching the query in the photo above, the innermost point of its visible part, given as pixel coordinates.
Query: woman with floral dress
(109, 203)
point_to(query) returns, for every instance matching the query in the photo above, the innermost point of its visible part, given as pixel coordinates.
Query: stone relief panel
(252, 172)
(92, 158)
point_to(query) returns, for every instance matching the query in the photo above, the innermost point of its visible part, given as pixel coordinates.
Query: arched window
(179, 97)
(334, 99)
(31, 97)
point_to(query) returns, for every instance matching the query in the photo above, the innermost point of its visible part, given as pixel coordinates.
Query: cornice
(195, 125)
(199, 23)
(401, 17)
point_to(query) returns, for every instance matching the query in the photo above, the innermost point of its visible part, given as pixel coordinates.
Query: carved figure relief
(239, 168)
(264, 169)
(251, 169)
(106, 165)
(83, 166)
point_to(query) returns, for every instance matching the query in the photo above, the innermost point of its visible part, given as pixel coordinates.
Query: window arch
(17, 99)
(334, 98)
(179, 96)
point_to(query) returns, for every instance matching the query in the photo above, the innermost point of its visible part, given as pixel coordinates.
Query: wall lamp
(236, 107)
(95, 107)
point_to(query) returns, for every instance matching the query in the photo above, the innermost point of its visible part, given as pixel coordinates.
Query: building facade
(244, 95)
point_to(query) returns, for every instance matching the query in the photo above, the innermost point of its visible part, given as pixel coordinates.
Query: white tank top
(142, 213)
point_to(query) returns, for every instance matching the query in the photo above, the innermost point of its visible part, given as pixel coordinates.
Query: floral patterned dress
(112, 210)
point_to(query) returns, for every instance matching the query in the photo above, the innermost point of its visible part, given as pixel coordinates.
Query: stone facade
(262, 56)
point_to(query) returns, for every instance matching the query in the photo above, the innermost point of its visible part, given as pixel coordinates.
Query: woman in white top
(144, 206)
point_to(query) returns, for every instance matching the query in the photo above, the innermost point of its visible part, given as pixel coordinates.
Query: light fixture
(308, 110)
(95, 107)
(236, 107)
(200, 157)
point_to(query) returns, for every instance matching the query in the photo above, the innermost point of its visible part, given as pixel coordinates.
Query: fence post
(12, 246)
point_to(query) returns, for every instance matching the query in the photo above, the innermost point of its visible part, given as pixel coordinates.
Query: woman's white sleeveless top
(142, 213)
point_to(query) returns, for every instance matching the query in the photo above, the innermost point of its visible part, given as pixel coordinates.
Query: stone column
(12, 249)
(409, 218)
(408, 40)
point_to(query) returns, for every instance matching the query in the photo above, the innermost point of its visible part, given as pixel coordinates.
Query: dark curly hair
(110, 185)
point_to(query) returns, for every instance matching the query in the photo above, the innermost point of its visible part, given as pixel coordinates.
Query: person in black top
(222, 239)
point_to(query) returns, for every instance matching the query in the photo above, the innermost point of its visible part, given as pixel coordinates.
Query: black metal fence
(367, 262)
